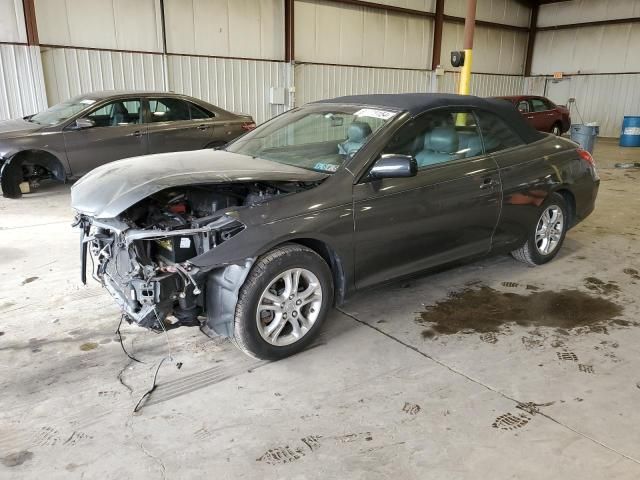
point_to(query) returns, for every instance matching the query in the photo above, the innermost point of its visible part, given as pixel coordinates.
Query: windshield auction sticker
(374, 113)
(326, 167)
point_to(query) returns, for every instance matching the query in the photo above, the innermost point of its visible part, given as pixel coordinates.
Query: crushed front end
(142, 257)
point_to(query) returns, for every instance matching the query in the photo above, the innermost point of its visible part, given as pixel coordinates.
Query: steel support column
(467, 45)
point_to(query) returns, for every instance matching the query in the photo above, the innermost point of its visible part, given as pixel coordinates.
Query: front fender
(333, 226)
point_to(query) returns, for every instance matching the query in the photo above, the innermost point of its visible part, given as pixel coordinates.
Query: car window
(523, 106)
(495, 133)
(550, 105)
(437, 137)
(116, 113)
(538, 105)
(198, 113)
(169, 110)
(316, 137)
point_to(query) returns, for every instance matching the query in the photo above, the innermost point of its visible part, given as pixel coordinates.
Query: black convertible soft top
(417, 103)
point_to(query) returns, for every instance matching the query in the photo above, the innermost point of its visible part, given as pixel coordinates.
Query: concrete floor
(379, 396)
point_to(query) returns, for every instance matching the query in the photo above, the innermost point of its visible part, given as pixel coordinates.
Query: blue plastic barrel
(630, 135)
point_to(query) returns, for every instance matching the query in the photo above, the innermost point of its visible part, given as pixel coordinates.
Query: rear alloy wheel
(556, 129)
(285, 298)
(547, 236)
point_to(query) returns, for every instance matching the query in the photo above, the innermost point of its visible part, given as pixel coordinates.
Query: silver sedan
(74, 137)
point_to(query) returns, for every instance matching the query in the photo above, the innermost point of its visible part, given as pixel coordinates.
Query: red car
(542, 113)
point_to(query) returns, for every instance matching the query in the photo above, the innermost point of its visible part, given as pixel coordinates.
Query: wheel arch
(333, 260)
(41, 158)
(570, 199)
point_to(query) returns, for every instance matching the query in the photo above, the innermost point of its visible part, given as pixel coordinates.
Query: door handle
(489, 183)
(137, 133)
(203, 127)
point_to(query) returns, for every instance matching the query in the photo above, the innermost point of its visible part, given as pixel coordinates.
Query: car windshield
(316, 137)
(61, 112)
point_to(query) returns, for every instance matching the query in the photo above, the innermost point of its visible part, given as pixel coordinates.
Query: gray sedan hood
(112, 188)
(14, 128)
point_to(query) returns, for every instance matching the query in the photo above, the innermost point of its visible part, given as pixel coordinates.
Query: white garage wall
(229, 28)
(422, 5)
(596, 49)
(606, 99)
(510, 12)
(318, 82)
(108, 24)
(328, 32)
(580, 11)
(494, 50)
(12, 26)
(72, 71)
(21, 85)
(484, 85)
(22, 89)
(238, 85)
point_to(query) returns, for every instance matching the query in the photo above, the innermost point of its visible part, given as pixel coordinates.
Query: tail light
(587, 157)
(248, 126)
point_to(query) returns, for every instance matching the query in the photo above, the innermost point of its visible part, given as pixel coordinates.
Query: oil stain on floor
(484, 310)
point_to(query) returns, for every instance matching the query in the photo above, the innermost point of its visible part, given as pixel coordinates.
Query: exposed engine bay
(142, 256)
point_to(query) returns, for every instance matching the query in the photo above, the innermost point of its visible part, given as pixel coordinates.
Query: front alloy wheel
(283, 302)
(289, 307)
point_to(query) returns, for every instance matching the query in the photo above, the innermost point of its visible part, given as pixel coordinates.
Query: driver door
(447, 212)
(117, 133)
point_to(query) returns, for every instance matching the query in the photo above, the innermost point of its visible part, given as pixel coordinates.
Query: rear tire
(547, 235)
(556, 129)
(283, 302)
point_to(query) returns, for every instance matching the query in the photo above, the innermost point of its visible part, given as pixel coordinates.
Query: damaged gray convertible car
(258, 241)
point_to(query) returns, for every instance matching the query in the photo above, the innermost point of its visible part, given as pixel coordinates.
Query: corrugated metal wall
(110, 24)
(606, 99)
(22, 89)
(332, 33)
(596, 49)
(593, 49)
(229, 28)
(72, 71)
(236, 85)
(580, 11)
(494, 50)
(317, 82)
(483, 85)
(12, 26)
(511, 12)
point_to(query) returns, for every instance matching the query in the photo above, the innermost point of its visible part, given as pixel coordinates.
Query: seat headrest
(118, 108)
(358, 131)
(443, 140)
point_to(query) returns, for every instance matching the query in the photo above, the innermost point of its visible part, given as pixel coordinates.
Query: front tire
(547, 235)
(283, 302)
(10, 177)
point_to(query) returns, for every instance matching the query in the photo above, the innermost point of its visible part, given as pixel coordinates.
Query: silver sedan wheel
(549, 229)
(289, 307)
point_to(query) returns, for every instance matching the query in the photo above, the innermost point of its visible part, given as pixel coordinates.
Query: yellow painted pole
(465, 73)
(469, 27)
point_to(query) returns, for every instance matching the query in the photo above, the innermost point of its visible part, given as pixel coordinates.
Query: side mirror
(83, 123)
(394, 166)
